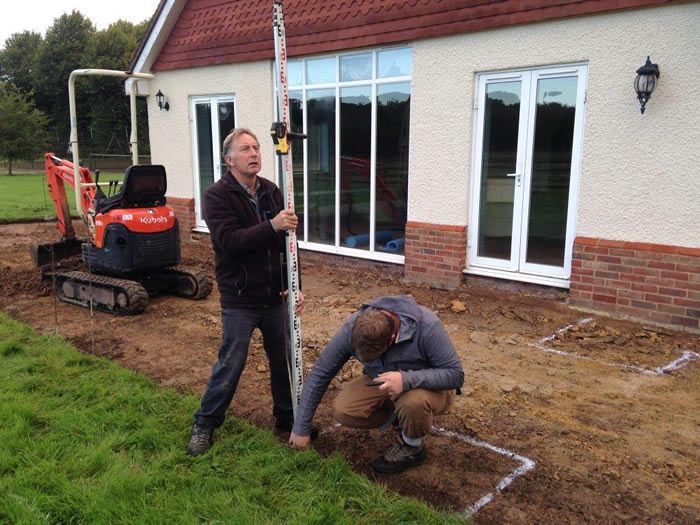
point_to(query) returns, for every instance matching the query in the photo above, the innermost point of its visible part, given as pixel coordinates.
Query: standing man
(411, 374)
(247, 221)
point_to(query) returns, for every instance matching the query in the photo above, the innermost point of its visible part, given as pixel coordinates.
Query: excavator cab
(134, 229)
(143, 186)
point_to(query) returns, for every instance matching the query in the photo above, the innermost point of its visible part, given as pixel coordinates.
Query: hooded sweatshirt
(422, 352)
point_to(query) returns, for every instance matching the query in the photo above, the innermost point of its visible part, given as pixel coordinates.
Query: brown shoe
(399, 457)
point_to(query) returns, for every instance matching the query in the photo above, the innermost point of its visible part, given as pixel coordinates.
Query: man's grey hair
(228, 141)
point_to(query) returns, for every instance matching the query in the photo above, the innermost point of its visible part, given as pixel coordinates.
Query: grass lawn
(26, 196)
(86, 441)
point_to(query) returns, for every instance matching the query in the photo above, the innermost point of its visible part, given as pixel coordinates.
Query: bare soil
(610, 444)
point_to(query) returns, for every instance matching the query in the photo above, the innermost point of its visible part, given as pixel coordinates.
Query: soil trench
(610, 444)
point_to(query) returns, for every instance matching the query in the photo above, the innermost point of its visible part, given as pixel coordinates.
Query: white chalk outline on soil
(526, 465)
(683, 360)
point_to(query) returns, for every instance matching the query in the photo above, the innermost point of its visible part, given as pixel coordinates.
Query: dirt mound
(22, 280)
(622, 343)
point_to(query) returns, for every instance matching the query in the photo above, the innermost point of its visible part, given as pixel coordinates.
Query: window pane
(321, 165)
(394, 63)
(355, 143)
(356, 67)
(296, 117)
(500, 148)
(551, 170)
(320, 71)
(226, 125)
(295, 72)
(205, 153)
(393, 118)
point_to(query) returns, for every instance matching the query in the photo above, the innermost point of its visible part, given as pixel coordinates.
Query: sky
(38, 15)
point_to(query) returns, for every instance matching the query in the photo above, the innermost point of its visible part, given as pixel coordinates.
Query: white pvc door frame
(517, 268)
(214, 101)
(521, 77)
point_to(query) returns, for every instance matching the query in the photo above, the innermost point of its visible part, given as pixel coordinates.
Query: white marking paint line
(567, 327)
(526, 465)
(683, 360)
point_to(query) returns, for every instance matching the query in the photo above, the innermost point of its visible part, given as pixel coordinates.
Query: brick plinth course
(184, 211)
(435, 254)
(655, 282)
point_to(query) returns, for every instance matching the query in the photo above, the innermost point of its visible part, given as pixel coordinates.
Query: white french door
(526, 173)
(213, 118)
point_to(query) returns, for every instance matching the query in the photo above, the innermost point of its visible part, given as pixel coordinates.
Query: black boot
(399, 457)
(201, 440)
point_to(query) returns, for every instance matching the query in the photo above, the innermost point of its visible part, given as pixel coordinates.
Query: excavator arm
(58, 173)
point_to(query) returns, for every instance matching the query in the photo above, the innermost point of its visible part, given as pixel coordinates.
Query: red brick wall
(647, 281)
(184, 211)
(435, 253)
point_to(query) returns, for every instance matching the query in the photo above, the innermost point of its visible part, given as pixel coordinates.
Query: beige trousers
(362, 406)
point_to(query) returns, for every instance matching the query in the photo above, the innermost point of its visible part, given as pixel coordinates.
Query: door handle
(518, 177)
(518, 174)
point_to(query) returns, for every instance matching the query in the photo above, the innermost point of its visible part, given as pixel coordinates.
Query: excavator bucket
(48, 255)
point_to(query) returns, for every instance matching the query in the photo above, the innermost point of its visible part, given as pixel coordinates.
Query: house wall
(639, 172)
(638, 184)
(658, 282)
(637, 250)
(171, 131)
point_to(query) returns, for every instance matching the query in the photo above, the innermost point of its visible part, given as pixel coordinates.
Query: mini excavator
(133, 250)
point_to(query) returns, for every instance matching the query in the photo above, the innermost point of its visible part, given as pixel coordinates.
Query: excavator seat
(144, 186)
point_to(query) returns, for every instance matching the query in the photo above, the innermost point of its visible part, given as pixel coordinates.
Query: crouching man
(411, 373)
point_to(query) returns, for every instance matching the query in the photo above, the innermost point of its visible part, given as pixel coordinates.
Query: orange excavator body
(135, 243)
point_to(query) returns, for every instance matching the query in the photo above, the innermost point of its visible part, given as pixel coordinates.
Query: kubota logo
(151, 220)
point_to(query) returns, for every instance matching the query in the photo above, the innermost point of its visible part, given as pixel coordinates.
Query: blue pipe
(363, 239)
(396, 244)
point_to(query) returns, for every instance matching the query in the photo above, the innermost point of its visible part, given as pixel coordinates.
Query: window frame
(338, 85)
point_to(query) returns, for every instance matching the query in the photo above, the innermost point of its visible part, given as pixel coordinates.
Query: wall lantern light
(165, 106)
(645, 82)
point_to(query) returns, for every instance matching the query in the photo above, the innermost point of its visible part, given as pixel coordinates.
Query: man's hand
(285, 220)
(300, 305)
(393, 383)
(298, 441)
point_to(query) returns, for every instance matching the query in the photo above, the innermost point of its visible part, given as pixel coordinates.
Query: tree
(18, 57)
(107, 104)
(62, 51)
(44, 66)
(22, 126)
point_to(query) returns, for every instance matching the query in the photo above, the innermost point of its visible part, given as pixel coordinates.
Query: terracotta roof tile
(225, 31)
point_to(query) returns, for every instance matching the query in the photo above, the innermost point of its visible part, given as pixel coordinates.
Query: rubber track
(136, 294)
(204, 282)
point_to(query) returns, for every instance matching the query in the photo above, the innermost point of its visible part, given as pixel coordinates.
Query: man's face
(244, 157)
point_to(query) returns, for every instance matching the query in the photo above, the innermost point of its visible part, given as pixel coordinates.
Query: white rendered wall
(171, 131)
(640, 179)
